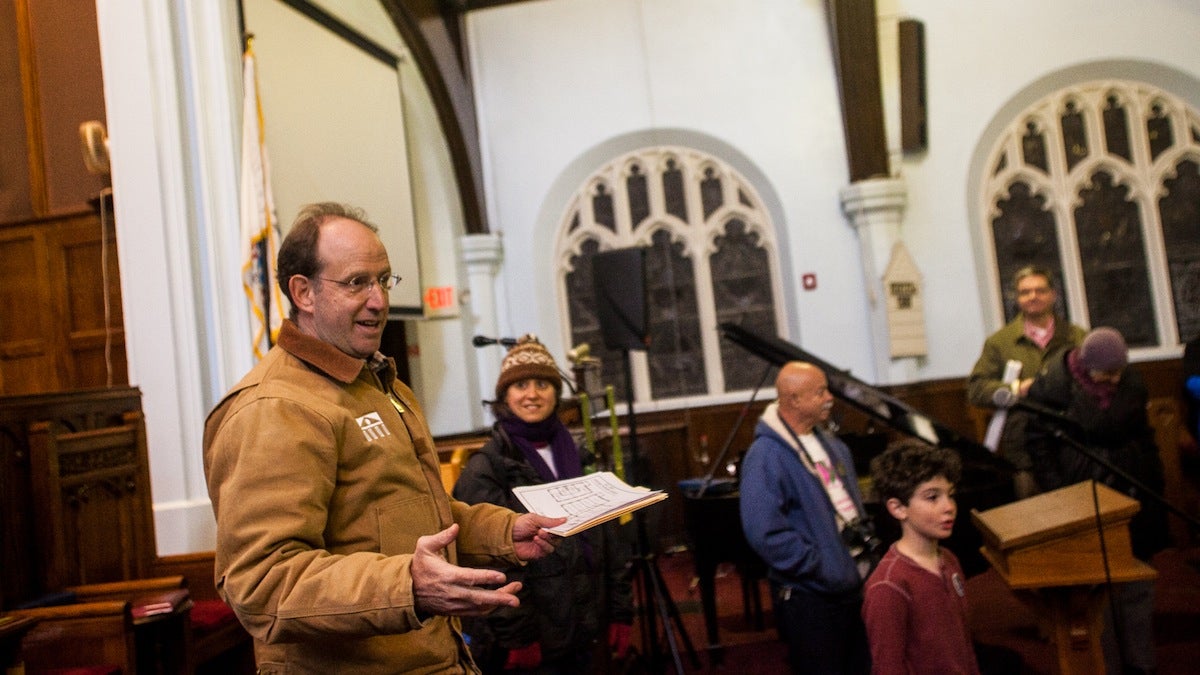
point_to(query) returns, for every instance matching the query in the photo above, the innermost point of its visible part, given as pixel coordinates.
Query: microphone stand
(1084, 449)
(1059, 432)
(657, 603)
(708, 478)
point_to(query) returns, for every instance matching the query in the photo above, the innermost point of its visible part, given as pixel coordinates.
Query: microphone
(1005, 398)
(580, 354)
(481, 341)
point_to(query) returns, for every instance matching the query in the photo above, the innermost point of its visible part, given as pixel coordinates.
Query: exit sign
(441, 301)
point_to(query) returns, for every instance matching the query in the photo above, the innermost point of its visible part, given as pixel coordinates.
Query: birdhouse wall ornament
(905, 305)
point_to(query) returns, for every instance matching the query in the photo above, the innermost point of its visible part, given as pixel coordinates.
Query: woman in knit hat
(568, 597)
(1106, 401)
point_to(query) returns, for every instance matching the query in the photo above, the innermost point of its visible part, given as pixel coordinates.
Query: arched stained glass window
(1023, 234)
(1179, 210)
(711, 257)
(1100, 182)
(1113, 260)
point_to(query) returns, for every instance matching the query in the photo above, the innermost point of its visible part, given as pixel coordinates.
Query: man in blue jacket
(798, 493)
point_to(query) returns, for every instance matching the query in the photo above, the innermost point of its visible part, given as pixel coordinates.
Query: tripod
(656, 603)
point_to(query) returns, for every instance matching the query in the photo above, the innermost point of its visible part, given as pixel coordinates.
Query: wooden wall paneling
(53, 334)
(28, 346)
(709, 429)
(32, 118)
(64, 89)
(662, 447)
(14, 161)
(84, 253)
(1164, 379)
(50, 82)
(943, 400)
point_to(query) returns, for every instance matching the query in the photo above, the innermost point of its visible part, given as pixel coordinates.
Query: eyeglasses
(1041, 290)
(362, 284)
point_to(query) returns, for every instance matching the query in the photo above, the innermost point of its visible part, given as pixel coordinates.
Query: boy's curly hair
(906, 464)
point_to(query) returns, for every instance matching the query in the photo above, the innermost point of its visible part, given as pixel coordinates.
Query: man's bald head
(804, 398)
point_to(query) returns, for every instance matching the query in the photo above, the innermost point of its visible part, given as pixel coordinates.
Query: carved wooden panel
(77, 411)
(91, 499)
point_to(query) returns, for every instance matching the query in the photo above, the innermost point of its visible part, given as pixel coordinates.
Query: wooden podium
(1048, 550)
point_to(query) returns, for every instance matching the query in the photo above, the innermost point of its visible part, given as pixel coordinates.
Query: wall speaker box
(619, 279)
(914, 134)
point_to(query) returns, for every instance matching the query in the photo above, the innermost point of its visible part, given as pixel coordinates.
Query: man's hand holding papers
(586, 501)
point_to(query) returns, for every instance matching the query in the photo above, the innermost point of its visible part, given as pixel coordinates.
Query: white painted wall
(979, 55)
(441, 359)
(557, 79)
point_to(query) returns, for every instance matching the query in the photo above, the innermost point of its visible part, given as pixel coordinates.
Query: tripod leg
(646, 612)
(664, 615)
(654, 596)
(670, 612)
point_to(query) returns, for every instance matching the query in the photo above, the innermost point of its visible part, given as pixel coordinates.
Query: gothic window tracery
(1109, 199)
(710, 258)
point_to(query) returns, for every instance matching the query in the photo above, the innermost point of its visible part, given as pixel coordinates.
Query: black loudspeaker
(619, 279)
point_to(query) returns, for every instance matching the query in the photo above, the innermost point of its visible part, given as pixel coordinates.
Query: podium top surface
(1052, 514)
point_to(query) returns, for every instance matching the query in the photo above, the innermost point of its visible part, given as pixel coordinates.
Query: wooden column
(854, 38)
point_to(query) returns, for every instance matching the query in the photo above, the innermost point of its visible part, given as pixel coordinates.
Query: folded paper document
(586, 501)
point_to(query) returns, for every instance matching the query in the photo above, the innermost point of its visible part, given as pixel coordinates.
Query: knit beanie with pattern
(527, 359)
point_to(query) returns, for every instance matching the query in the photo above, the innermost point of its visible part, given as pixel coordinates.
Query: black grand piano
(711, 506)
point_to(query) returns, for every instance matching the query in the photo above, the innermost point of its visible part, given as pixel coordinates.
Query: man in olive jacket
(337, 546)
(1035, 333)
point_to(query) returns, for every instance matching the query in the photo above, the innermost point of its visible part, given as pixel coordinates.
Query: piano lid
(876, 403)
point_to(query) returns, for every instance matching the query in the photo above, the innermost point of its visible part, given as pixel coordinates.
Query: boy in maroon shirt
(915, 606)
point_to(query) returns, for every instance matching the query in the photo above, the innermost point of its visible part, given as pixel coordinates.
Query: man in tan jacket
(337, 546)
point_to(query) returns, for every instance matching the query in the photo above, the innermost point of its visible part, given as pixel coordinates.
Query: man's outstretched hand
(449, 590)
(530, 538)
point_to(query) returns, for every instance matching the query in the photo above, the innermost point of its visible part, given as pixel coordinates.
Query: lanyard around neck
(809, 464)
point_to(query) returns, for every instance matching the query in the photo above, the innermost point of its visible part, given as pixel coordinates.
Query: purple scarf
(552, 431)
(1102, 392)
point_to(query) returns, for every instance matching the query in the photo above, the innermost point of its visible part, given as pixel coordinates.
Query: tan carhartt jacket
(321, 484)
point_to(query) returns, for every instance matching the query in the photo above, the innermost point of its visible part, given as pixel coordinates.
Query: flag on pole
(260, 230)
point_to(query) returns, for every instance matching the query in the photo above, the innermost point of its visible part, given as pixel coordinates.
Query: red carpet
(1003, 627)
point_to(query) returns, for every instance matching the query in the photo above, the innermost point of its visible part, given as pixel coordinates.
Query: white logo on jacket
(372, 427)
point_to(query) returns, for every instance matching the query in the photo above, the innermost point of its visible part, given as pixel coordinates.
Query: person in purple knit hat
(1103, 407)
